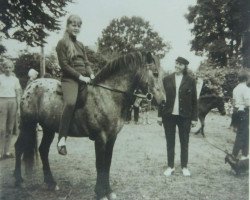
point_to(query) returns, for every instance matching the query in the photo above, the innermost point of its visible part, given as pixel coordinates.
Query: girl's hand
(92, 76)
(84, 79)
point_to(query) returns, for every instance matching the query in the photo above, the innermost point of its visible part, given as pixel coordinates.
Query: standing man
(10, 95)
(180, 109)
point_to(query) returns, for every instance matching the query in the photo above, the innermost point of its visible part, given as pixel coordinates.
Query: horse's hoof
(57, 188)
(19, 184)
(112, 196)
(52, 187)
(103, 198)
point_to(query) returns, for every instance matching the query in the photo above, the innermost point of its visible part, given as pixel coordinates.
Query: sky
(165, 16)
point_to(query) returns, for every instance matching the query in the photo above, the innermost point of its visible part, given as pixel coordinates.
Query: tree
(26, 61)
(129, 34)
(96, 58)
(2, 49)
(217, 28)
(225, 78)
(29, 21)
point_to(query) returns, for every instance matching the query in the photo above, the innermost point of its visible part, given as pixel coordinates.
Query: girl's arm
(64, 61)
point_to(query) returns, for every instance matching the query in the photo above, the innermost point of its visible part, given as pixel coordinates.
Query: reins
(111, 89)
(224, 151)
(147, 96)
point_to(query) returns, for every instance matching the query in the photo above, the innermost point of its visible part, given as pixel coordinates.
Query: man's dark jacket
(187, 97)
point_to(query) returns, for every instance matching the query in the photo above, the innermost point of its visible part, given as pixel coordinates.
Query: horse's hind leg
(202, 127)
(199, 130)
(202, 130)
(48, 136)
(26, 142)
(19, 149)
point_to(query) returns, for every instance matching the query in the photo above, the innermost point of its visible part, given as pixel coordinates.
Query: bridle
(148, 96)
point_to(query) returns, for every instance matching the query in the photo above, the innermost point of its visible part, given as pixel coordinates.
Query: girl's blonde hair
(71, 50)
(8, 62)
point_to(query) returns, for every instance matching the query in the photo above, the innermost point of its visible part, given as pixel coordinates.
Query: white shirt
(241, 96)
(178, 79)
(8, 85)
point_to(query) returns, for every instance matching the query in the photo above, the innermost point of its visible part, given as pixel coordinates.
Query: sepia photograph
(124, 99)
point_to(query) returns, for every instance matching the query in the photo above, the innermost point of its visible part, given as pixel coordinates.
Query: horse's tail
(28, 140)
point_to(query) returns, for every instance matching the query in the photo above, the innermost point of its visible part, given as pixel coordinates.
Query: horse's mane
(129, 61)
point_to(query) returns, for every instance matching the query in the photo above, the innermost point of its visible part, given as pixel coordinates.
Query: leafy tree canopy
(30, 20)
(218, 27)
(129, 34)
(2, 49)
(27, 61)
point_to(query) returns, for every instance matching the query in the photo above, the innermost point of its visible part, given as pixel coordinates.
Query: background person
(145, 108)
(76, 73)
(10, 95)
(180, 109)
(136, 106)
(135, 109)
(241, 97)
(32, 74)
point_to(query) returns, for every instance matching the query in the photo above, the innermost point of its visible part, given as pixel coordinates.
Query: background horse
(99, 115)
(207, 103)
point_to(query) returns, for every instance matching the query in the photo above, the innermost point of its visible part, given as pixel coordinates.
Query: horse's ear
(149, 58)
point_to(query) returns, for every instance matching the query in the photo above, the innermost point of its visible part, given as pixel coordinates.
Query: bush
(224, 79)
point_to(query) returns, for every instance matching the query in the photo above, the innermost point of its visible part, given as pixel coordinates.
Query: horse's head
(221, 105)
(136, 70)
(149, 77)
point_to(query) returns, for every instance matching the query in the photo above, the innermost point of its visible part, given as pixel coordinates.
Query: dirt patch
(138, 164)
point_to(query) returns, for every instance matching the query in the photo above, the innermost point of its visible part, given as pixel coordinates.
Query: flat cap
(182, 60)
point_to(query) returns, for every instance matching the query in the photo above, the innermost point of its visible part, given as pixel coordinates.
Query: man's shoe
(169, 171)
(244, 157)
(186, 172)
(62, 150)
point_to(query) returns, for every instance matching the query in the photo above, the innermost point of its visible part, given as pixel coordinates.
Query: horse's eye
(156, 74)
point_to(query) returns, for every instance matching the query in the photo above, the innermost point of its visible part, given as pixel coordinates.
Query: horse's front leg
(104, 151)
(44, 147)
(108, 155)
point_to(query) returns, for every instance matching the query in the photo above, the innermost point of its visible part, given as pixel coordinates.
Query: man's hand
(92, 76)
(159, 121)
